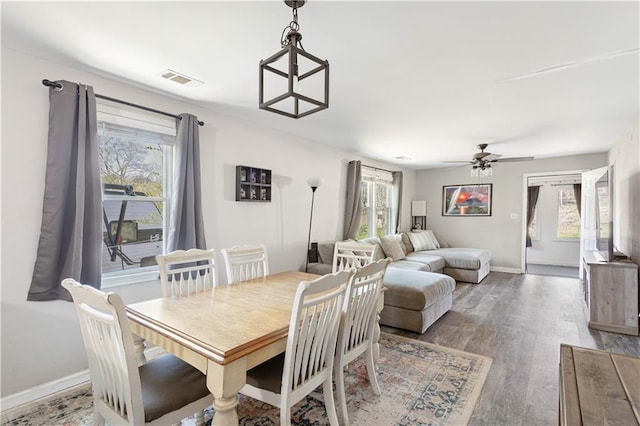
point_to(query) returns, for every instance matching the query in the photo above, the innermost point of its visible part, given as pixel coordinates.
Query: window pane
(383, 200)
(568, 217)
(139, 237)
(363, 232)
(132, 171)
(125, 161)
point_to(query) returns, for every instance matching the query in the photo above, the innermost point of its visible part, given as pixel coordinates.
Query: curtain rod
(50, 83)
(377, 168)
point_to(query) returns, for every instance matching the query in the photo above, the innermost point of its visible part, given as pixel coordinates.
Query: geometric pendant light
(293, 82)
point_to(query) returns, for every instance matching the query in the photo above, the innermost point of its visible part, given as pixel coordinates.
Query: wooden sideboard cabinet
(611, 294)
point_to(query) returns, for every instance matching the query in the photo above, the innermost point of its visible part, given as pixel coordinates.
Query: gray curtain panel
(186, 226)
(70, 244)
(353, 207)
(577, 192)
(532, 200)
(397, 195)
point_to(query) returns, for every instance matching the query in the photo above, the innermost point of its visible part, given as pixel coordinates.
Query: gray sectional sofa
(421, 278)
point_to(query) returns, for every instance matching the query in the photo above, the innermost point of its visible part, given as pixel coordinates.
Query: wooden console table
(611, 294)
(598, 387)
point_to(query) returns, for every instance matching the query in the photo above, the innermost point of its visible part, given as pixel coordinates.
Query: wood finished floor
(520, 321)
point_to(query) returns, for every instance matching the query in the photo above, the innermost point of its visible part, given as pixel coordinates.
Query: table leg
(224, 382)
(376, 331)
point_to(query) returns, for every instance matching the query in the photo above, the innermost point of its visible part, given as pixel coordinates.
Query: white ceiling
(425, 80)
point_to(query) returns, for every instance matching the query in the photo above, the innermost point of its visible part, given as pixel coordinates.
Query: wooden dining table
(223, 332)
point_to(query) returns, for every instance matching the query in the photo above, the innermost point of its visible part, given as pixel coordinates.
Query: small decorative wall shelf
(253, 184)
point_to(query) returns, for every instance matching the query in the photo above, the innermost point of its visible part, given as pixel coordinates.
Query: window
(136, 154)
(568, 218)
(377, 204)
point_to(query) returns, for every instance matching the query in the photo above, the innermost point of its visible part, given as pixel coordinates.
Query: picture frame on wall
(467, 200)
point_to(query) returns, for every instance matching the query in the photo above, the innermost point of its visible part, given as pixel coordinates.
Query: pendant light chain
(293, 31)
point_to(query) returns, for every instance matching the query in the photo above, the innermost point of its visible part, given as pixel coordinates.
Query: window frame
(145, 123)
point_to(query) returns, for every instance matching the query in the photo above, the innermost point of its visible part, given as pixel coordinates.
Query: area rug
(421, 383)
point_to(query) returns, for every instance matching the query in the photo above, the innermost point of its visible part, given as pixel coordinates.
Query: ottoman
(414, 300)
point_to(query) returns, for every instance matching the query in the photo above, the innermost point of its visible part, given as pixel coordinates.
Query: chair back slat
(349, 255)
(183, 272)
(359, 311)
(313, 330)
(245, 262)
(110, 352)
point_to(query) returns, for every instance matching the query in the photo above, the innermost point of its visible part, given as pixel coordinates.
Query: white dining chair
(161, 392)
(245, 262)
(183, 272)
(357, 325)
(308, 359)
(352, 255)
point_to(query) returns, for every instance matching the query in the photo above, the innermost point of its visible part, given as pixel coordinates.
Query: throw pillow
(434, 240)
(391, 246)
(408, 247)
(421, 241)
(379, 254)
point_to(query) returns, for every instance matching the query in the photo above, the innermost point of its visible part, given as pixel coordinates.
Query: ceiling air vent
(181, 79)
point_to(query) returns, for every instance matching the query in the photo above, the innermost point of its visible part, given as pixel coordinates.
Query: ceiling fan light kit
(481, 161)
(294, 65)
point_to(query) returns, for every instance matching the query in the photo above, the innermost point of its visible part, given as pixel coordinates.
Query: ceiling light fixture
(482, 169)
(294, 64)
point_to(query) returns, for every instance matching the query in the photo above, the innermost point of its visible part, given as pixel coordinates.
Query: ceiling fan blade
(491, 157)
(459, 161)
(505, 160)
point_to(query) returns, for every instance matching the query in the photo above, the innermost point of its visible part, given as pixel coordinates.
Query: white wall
(498, 233)
(41, 340)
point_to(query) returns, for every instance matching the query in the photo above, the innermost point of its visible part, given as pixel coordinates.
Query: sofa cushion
(409, 264)
(325, 252)
(436, 263)
(423, 240)
(391, 244)
(463, 258)
(415, 290)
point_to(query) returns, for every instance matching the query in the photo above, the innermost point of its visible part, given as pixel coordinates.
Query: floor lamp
(313, 183)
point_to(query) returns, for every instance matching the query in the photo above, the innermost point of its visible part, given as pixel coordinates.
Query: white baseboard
(44, 391)
(48, 390)
(507, 270)
(548, 263)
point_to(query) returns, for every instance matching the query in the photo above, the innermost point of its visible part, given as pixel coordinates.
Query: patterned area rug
(421, 383)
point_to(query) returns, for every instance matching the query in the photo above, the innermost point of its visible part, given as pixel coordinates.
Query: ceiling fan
(482, 160)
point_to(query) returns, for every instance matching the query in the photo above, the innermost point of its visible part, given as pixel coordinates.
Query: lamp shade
(418, 208)
(315, 182)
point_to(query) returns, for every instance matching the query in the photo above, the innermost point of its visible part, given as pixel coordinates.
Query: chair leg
(285, 415)
(371, 372)
(343, 416)
(329, 403)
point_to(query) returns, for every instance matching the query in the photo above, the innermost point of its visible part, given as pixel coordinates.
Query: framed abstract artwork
(467, 200)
